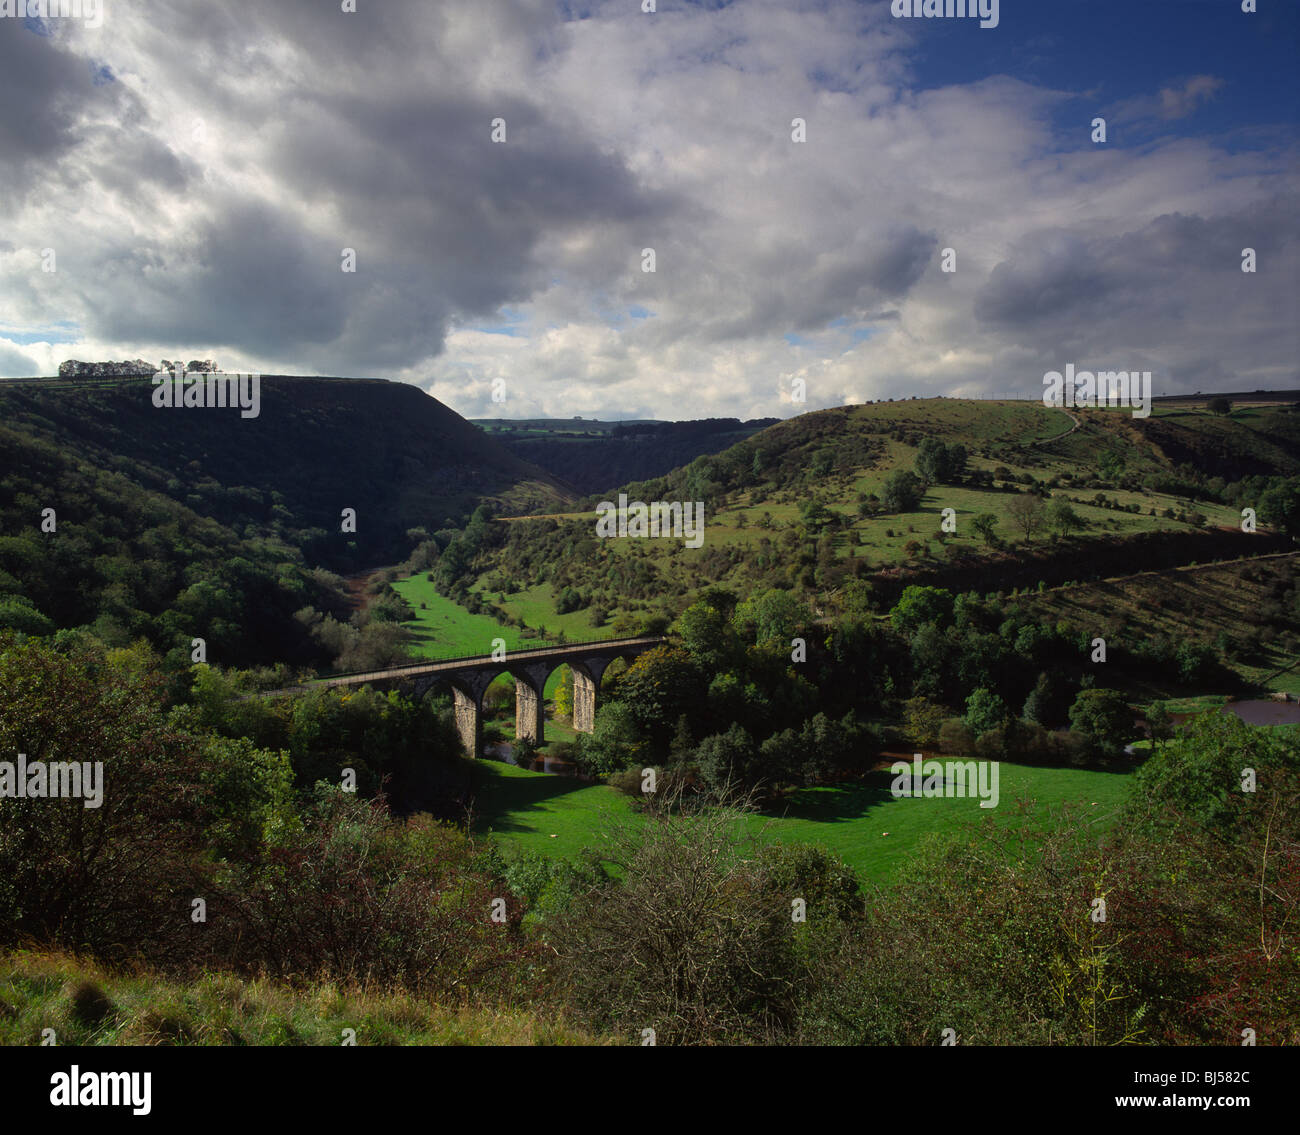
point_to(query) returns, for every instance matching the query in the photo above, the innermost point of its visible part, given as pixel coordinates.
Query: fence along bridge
(469, 678)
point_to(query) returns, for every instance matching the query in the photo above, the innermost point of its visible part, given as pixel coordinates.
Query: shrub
(111, 877)
(985, 710)
(1105, 718)
(695, 942)
(355, 895)
(903, 491)
(628, 781)
(956, 738)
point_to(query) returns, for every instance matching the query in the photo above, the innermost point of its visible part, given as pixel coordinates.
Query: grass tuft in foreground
(86, 1004)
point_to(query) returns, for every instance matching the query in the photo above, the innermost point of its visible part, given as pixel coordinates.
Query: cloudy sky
(197, 170)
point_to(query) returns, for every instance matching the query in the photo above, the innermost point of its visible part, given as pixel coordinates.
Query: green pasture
(862, 823)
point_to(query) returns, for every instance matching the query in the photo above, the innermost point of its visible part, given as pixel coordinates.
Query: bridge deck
(475, 661)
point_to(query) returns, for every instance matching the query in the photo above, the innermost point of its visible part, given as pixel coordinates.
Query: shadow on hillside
(512, 796)
(417, 638)
(844, 803)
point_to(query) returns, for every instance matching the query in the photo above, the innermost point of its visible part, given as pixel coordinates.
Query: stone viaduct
(469, 678)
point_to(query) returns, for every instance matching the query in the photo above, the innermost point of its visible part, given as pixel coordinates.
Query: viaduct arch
(469, 678)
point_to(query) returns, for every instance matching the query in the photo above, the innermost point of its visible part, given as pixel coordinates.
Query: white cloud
(201, 209)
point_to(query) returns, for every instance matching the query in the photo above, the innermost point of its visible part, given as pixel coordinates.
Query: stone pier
(469, 721)
(530, 704)
(586, 682)
(469, 679)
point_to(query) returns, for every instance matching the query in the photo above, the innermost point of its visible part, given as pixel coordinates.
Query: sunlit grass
(42, 990)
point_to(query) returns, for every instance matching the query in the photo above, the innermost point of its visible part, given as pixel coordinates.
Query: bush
(112, 878)
(525, 752)
(1198, 774)
(726, 759)
(923, 720)
(903, 491)
(629, 780)
(1008, 954)
(352, 894)
(696, 942)
(985, 710)
(956, 738)
(617, 742)
(1105, 718)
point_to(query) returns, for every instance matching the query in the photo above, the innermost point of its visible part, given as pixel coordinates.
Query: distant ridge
(593, 455)
(399, 457)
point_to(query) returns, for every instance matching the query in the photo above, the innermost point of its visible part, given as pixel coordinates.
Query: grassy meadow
(874, 833)
(444, 629)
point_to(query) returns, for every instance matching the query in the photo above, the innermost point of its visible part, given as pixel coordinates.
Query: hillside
(173, 523)
(398, 456)
(594, 456)
(1247, 608)
(807, 504)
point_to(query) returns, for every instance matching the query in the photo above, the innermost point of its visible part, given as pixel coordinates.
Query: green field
(536, 606)
(862, 823)
(444, 629)
(543, 814)
(876, 834)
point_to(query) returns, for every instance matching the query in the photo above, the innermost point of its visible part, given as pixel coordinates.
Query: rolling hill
(397, 456)
(172, 523)
(803, 505)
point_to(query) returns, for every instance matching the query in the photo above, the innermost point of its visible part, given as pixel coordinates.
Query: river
(504, 751)
(1261, 711)
(1253, 711)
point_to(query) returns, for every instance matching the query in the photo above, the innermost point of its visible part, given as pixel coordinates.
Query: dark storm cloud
(45, 91)
(1052, 277)
(250, 268)
(1165, 273)
(362, 152)
(1172, 291)
(418, 178)
(799, 287)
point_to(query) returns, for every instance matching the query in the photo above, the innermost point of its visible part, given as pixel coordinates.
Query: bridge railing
(510, 655)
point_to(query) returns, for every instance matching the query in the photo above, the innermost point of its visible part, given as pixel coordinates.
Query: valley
(998, 583)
